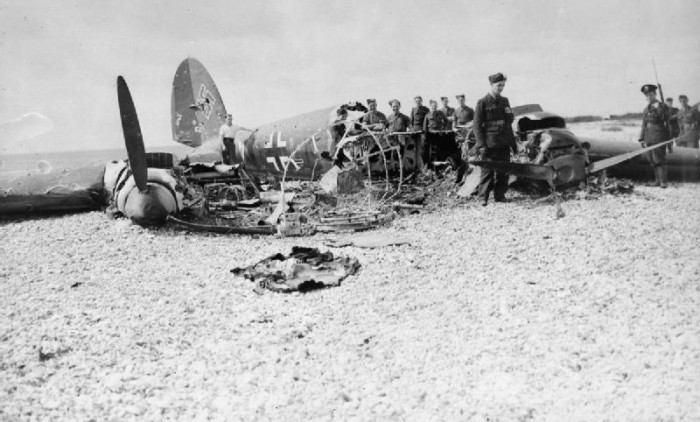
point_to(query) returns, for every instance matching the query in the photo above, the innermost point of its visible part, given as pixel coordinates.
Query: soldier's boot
(657, 179)
(663, 175)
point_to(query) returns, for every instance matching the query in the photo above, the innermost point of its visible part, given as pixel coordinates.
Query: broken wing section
(79, 189)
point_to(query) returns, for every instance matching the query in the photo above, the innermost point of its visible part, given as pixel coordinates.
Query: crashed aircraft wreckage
(553, 154)
(152, 188)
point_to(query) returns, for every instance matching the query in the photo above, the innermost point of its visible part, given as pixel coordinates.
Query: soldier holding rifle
(654, 131)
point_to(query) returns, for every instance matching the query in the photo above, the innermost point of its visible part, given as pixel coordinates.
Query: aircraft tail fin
(197, 110)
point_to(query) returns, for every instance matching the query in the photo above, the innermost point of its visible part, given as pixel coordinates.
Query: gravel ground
(499, 314)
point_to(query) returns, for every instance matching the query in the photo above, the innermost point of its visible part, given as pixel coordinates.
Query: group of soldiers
(663, 122)
(491, 123)
(424, 125)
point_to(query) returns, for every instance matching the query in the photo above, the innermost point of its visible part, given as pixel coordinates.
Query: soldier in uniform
(689, 124)
(654, 131)
(338, 129)
(493, 118)
(375, 120)
(435, 122)
(417, 118)
(449, 111)
(673, 128)
(398, 122)
(462, 117)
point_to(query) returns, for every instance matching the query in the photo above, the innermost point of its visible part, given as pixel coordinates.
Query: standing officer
(462, 117)
(673, 128)
(689, 123)
(433, 125)
(417, 118)
(227, 135)
(449, 111)
(398, 122)
(375, 120)
(654, 131)
(494, 138)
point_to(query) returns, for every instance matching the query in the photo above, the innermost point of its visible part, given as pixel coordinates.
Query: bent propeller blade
(617, 159)
(530, 171)
(132, 135)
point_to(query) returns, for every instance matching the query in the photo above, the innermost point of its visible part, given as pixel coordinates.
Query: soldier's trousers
(229, 154)
(491, 179)
(418, 142)
(657, 157)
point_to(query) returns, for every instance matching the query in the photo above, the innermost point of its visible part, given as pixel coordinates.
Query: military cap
(417, 97)
(443, 98)
(497, 77)
(371, 100)
(648, 88)
(391, 103)
(682, 97)
(460, 96)
(433, 102)
(669, 99)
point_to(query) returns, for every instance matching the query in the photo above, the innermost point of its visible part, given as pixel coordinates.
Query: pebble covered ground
(503, 313)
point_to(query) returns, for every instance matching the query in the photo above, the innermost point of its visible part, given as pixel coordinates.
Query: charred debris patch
(296, 208)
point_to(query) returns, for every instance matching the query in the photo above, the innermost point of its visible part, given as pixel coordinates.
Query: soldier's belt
(494, 123)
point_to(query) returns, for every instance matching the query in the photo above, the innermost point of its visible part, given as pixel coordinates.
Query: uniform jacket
(398, 122)
(435, 121)
(492, 123)
(654, 123)
(673, 121)
(463, 115)
(337, 130)
(688, 119)
(418, 116)
(449, 112)
(373, 117)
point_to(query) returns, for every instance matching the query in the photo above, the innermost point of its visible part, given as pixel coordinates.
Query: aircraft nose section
(151, 207)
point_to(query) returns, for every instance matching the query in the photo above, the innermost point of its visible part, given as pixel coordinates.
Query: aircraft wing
(77, 189)
(617, 159)
(683, 164)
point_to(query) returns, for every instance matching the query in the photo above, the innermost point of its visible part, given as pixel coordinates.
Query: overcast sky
(272, 59)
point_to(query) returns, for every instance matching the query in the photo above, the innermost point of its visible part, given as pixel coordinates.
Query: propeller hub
(150, 208)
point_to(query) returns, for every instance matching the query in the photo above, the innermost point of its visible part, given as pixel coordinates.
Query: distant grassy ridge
(591, 118)
(582, 119)
(626, 116)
